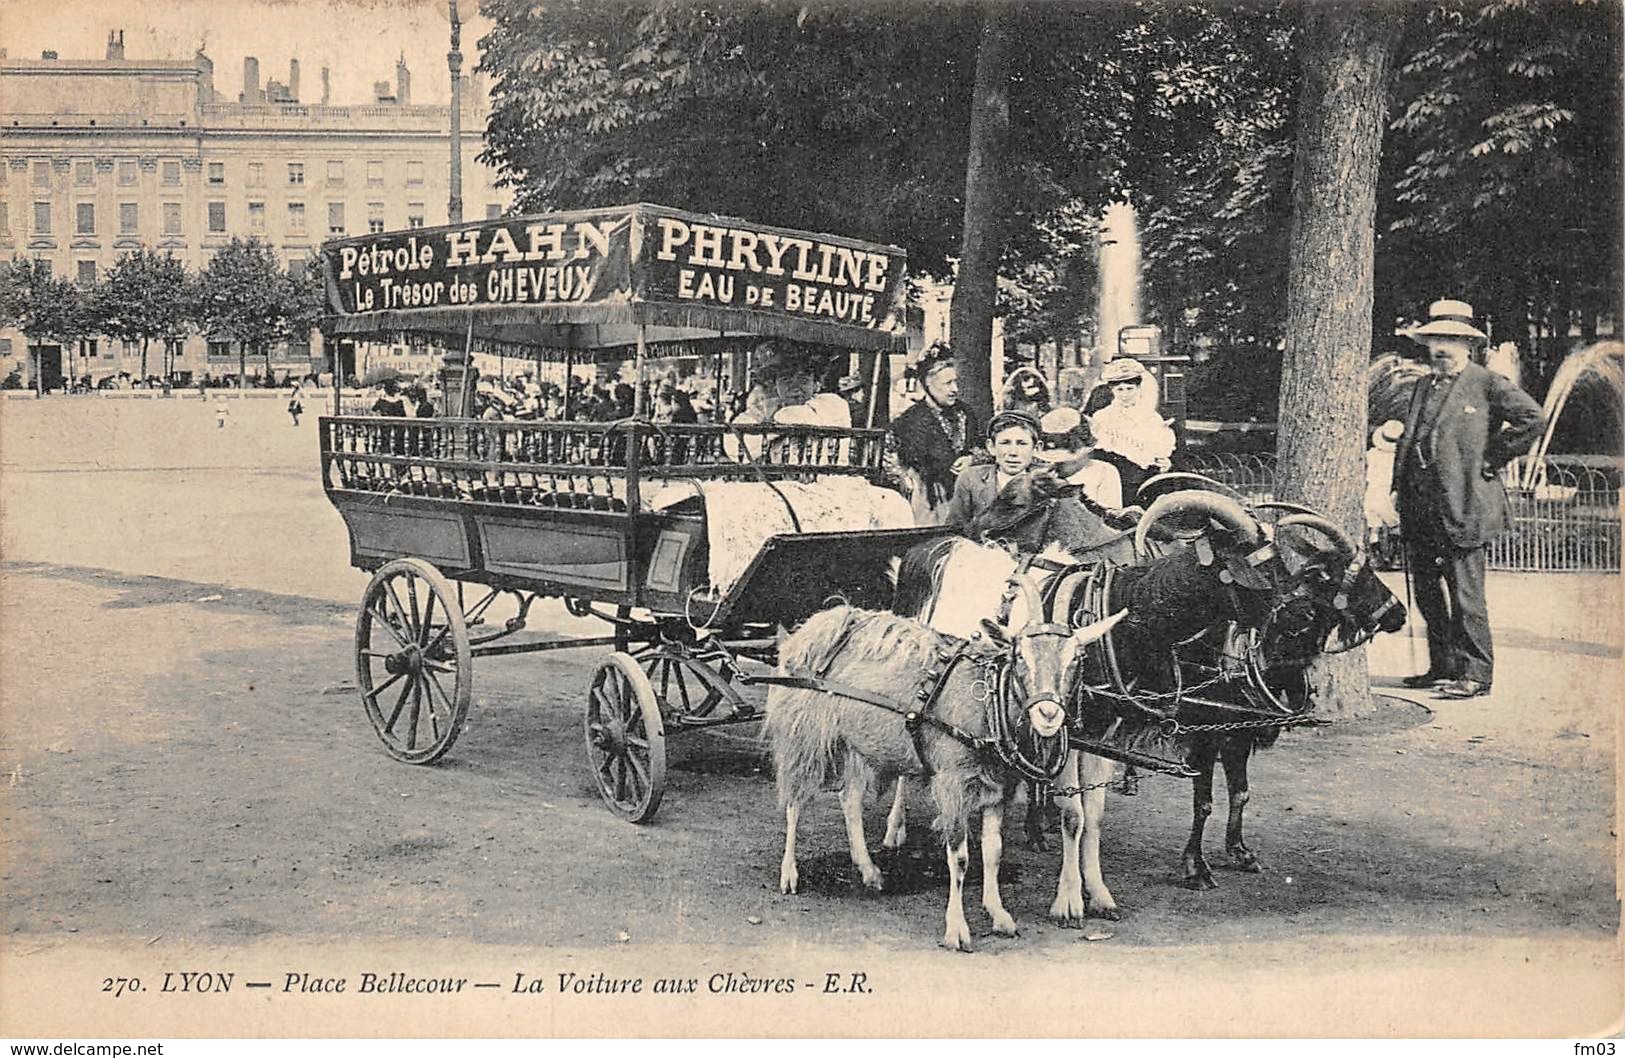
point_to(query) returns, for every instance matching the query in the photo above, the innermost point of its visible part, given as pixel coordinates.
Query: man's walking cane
(1410, 610)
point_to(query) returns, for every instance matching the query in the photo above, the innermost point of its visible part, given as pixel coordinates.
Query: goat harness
(992, 686)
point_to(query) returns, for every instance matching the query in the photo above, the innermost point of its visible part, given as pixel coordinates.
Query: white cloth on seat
(741, 516)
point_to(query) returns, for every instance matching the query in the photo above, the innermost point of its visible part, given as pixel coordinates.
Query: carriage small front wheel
(412, 660)
(626, 739)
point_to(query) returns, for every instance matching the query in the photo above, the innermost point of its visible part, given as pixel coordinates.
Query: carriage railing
(581, 465)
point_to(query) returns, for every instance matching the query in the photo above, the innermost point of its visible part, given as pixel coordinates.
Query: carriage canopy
(587, 280)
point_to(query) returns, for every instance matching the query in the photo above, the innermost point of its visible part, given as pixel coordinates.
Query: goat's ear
(992, 630)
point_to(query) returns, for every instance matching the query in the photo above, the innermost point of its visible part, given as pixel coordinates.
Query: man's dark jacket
(1482, 424)
(923, 446)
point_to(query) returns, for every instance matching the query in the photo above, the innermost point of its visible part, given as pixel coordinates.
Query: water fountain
(1119, 303)
(1595, 371)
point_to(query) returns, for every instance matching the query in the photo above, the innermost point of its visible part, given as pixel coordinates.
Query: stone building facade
(101, 157)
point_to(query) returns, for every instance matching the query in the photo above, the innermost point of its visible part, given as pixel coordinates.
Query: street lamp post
(454, 62)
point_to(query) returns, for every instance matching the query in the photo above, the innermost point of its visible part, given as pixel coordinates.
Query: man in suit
(1464, 424)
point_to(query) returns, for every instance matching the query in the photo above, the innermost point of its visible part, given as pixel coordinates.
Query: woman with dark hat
(935, 437)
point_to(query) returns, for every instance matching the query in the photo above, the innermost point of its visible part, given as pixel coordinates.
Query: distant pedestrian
(221, 410)
(1464, 424)
(295, 406)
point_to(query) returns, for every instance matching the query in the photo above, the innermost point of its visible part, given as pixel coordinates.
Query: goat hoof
(894, 841)
(1004, 924)
(1201, 879)
(1068, 913)
(872, 879)
(789, 882)
(957, 938)
(1108, 912)
(1242, 859)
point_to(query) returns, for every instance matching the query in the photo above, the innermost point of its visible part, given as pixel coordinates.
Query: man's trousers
(1449, 583)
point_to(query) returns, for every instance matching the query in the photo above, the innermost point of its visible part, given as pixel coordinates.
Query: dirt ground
(188, 768)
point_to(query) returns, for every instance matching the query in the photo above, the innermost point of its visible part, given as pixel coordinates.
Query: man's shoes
(1463, 689)
(1427, 679)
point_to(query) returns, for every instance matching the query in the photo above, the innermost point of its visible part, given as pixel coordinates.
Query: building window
(129, 218)
(87, 272)
(42, 174)
(175, 348)
(42, 218)
(217, 218)
(414, 174)
(296, 174)
(256, 216)
(493, 211)
(375, 174)
(335, 218)
(335, 172)
(256, 174)
(375, 217)
(171, 173)
(414, 214)
(127, 173)
(217, 174)
(84, 174)
(219, 350)
(296, 218)
(84, 218)
(172, 218)
(131, 348)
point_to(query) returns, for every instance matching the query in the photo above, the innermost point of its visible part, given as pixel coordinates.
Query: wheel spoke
(637, 743)
(428, 618)
(428, 699)
(435, 683)
(389, 728)
(377, 653)
(382, 687)
(682, 689)
(665, 678)
(412, 593)
(639, 772)
(413, 715)
(408, 626)
(379, 618)
(618, 770)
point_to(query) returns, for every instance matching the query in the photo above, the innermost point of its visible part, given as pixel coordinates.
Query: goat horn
(1282, 505)
(1223, 509)
(1091, 632)
(1331, 529)
(1031, 596)
(1199, 480)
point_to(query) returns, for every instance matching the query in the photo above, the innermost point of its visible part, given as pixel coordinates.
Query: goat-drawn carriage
(695, 542)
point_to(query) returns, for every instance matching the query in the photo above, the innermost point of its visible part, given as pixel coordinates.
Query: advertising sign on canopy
(586, 279)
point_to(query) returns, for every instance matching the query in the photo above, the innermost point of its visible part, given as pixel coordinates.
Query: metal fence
(1567, 521)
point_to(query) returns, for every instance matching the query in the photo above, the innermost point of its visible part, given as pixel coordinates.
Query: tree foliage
(1504, 164)
(243, 296)
(143, 297)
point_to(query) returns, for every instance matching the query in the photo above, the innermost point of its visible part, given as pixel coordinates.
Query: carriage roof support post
(637, 393)
(569, 376)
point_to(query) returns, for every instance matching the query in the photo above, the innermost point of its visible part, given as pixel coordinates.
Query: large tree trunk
(242, 365)
(1346, 51)
(970, 316)
(144, 341)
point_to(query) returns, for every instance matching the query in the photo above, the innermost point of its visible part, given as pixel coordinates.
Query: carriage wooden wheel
(412, 659)
(626, 739)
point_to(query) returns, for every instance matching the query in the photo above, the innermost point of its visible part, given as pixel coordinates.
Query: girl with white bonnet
(1129, 432)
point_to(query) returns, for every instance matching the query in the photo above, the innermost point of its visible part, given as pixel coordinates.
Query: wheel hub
(609, 735)
(404, 662)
